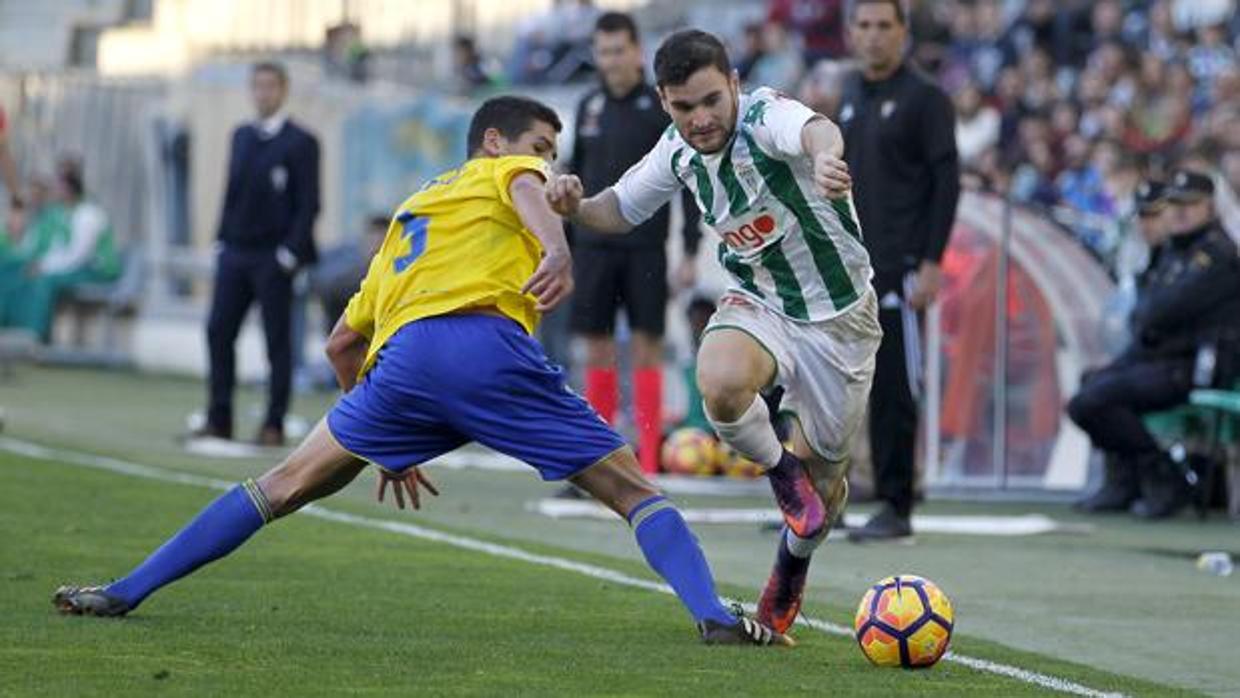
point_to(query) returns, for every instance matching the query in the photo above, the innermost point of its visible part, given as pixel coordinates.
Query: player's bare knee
(726, 392)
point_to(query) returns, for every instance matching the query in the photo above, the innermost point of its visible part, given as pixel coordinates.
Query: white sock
(752, 435)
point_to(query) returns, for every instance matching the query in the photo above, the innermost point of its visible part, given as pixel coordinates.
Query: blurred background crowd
(1067, 105)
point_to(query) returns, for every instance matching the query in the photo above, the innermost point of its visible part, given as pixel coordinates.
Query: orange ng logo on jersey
(752, 234)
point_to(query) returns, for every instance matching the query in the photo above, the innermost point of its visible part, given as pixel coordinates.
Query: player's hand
(929, 282)
(831, 176)
(564, 194)
(408, 481)
(552, 281)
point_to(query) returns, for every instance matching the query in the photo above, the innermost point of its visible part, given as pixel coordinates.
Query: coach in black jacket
(900, 146)
(266, 235)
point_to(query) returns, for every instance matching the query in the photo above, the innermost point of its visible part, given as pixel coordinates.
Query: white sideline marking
(114, 465)
(1022, 525)
(482, 458)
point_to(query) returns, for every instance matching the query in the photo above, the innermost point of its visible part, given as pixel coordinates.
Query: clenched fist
(564, 194)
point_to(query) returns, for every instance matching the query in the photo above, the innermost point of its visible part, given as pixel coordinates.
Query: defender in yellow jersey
(435, 351)
(456, 245)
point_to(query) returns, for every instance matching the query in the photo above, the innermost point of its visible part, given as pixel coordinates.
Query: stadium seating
(1208, 425)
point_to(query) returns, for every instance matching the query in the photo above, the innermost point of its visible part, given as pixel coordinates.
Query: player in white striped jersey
(768, 175)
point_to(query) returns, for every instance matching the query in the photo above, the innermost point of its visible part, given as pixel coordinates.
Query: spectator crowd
(1065, 105)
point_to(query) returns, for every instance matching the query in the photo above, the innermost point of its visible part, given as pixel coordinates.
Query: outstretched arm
(552, 282)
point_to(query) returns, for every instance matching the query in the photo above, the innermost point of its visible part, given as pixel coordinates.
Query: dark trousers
(241, 277)
(893, 417)
(1111, 401)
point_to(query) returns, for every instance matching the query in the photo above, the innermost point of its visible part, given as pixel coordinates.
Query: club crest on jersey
(752, 234)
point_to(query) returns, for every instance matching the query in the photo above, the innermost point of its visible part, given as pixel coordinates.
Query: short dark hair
(897, 5)
(687, 51)
(511, 116)
(617, 22)
(276, 69)
(378, 220)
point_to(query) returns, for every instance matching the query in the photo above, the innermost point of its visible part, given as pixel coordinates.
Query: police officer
(1186, 316)
(617, 123)
(1120, 481)
(900, 145)
(266, 236)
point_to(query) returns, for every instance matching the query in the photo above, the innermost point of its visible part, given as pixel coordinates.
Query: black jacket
(1191, 297)
(272, 197)
(900, 146)
(612, 135)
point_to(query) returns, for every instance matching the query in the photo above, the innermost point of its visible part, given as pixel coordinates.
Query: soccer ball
(690, 451)
(904, 621)
(733, 464)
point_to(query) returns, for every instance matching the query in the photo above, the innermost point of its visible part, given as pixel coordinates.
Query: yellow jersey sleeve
(506, 168)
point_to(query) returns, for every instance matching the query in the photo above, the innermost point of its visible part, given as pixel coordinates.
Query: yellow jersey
(456, 244)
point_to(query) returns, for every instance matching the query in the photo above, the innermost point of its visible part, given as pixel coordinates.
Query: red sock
(648, 408)
(603, 392)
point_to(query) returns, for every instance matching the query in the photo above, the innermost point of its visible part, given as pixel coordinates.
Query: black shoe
(1120, 489)
(886, 525)
(746, 631)
(88, 601)
(1165, 489)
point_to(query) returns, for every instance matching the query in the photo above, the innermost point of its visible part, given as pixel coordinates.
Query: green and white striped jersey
(781, 242)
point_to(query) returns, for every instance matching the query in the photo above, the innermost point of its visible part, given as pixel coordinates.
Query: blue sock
(217, 530)
(673, 552)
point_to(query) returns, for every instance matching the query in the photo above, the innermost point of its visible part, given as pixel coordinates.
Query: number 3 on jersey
(415, 231)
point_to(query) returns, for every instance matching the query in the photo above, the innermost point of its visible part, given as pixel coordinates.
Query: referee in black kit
(900, 146)
(266, 236)
(617, 123)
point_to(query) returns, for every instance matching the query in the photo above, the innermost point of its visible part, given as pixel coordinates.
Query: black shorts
(610, 277)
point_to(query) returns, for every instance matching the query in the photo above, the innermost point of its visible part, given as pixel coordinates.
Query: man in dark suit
(266, 235)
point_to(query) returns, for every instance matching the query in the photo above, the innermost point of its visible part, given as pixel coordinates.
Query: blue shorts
(442, 382)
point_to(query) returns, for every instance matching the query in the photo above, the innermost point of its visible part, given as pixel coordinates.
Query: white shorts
(825, 368)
